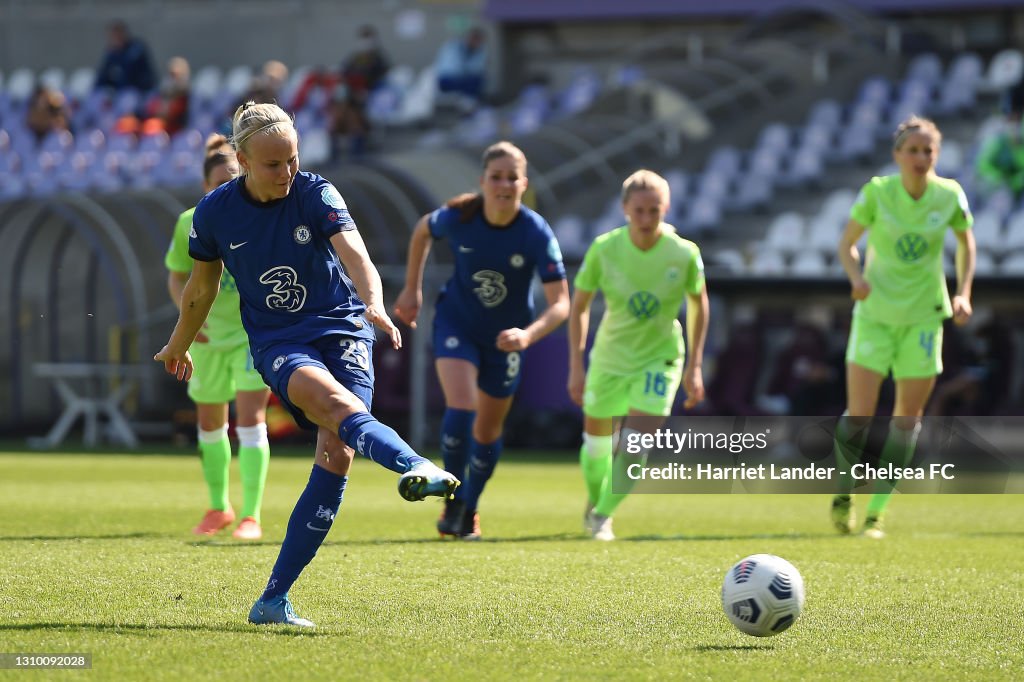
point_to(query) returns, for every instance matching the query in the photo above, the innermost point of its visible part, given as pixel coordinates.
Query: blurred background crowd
(764, 116)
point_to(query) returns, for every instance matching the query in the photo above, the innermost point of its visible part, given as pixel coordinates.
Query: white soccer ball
(763, 595)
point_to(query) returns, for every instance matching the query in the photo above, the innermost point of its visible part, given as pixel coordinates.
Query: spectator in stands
(462, 65)
(983, 384)
(484, 318)
(645, 270)
(223, 372)
(804, 377)
(168, 109)
(266, 86)
(126, 63)
(361, 73)
(1000, 162)
(47, 111)
(901, 301)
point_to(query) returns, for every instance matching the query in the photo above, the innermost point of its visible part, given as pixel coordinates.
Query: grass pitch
(96, 557)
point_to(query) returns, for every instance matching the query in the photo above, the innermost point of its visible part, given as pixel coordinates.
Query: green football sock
(610, 500)
(253, 460)
(898, 450)
(850, 439)
(216, 455)
(596, 462)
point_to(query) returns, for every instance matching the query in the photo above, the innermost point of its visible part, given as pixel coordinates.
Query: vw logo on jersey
(302, 234)
(451, 342)
(644, 305)
(517, 260)
(278, 361)
(911, 247)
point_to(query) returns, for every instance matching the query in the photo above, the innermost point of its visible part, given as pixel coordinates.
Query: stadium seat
(315, 146)
(237, 80)
(754, 191)
(190, 140)
(1004, 71)
(807, 166)
(625, 75)
(988, 231)
(768, 263)
(774, 136)
(20, 84)
(951, 159)
(1013, 265)
(725, 161)
(985, 264)
(926, 67)
(678, 184)
(571, 232)
(857, 142)
(206, 82)
(730, 259)
(875, 91)
(704, 214)
(419, 102)
(785, 233)
(582, 90)
(809, 264)
(80, 83)
(1014, 232)
(825, 112)
(52, 78)
(824, 232)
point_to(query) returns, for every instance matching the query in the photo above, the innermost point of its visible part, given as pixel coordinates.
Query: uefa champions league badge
(302, 235)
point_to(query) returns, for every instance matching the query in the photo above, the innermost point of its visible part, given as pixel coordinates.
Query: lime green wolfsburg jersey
(643, 293)
(224, 323)
(903, 264)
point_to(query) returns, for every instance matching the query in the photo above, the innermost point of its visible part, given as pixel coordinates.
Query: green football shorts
(219, 373)
(651, 390)
(911, 351)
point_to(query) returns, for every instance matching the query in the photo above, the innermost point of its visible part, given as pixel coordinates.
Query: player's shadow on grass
(57, 538)
(157, 630)
(734, 647)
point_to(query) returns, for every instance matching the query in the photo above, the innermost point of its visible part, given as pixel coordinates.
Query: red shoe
(248, 529)
(213, 521)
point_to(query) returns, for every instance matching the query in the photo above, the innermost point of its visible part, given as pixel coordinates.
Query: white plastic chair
(786, 232)
(1004, 71)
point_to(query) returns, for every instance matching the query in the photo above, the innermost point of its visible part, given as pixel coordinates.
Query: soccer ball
(763, 595)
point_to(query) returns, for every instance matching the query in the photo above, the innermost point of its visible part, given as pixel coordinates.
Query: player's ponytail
(468, 205)
(258, 119)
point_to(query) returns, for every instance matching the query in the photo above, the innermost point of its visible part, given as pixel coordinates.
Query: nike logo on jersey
(234, 246)
(465, 249)
(312, 527)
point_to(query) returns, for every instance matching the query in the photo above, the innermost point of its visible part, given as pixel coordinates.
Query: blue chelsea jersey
(291, 283)
(491, 289)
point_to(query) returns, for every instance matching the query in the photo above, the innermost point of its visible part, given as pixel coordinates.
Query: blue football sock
(456, 429)
(310, 520)
(482, 460)
(377, 442)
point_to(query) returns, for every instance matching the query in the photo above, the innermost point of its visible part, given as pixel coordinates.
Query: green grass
(95, 556)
